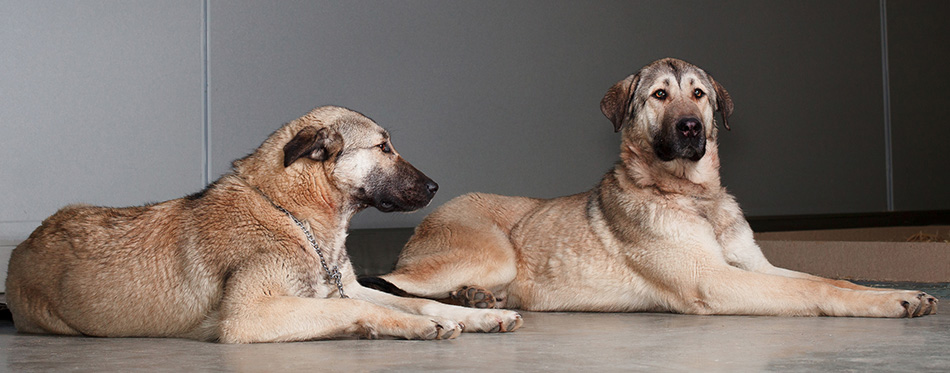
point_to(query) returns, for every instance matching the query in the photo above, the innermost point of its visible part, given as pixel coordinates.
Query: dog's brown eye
(660, 94)
(699, 93)
(385, 147)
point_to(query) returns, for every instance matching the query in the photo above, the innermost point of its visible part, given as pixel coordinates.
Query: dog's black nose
(432, 187)
(689, 127)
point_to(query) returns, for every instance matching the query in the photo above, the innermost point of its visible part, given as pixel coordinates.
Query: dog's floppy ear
(723, 103)
(617, 100)
(319, 144)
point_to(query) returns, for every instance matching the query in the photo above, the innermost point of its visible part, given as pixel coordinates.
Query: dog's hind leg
(482, 263)
(38, 316)
(464, 244)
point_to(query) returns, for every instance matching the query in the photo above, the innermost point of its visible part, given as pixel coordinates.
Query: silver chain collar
(332, 274)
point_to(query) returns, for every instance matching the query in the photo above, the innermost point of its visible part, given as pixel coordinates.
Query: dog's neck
(323, 213)
(678, 176)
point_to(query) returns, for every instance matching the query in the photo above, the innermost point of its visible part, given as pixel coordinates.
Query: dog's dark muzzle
(403, 189)
(414, 198)
(684, 139)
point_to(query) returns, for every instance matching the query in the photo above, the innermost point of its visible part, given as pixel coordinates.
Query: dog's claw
(514, 324)
(924, 304)
(447, 331)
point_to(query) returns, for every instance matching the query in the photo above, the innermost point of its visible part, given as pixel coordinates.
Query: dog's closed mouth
(394, 206)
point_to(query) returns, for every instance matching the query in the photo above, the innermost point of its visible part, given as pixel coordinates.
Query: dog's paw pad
(474, 297)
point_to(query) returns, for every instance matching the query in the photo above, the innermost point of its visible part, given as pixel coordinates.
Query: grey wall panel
(919, 51)
(496, 97)
(481, 97)
(504, 97)
(100, 102)
(808, 135)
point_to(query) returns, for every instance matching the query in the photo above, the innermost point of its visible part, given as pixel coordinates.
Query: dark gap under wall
(374, 251)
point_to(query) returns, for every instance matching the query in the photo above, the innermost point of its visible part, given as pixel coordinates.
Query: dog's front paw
(492, 321)
(916, 304)
(444, 329)
(411, 327)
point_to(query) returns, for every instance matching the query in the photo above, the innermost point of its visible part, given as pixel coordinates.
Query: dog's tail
(374, 282)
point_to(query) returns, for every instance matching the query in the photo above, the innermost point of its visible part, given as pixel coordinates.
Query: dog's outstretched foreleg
(288, 318)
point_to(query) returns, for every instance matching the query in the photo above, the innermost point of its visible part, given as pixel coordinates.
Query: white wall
(104, 102)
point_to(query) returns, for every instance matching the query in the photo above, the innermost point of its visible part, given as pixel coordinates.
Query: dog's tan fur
(659, 232)
(225, 264)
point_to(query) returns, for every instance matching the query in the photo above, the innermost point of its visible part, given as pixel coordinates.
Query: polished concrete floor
(573, 342)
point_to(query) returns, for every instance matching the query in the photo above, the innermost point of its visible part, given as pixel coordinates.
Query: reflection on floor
(575, 342)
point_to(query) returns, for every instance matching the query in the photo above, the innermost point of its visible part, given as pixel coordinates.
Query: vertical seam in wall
(888, 154)
(206, 123)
